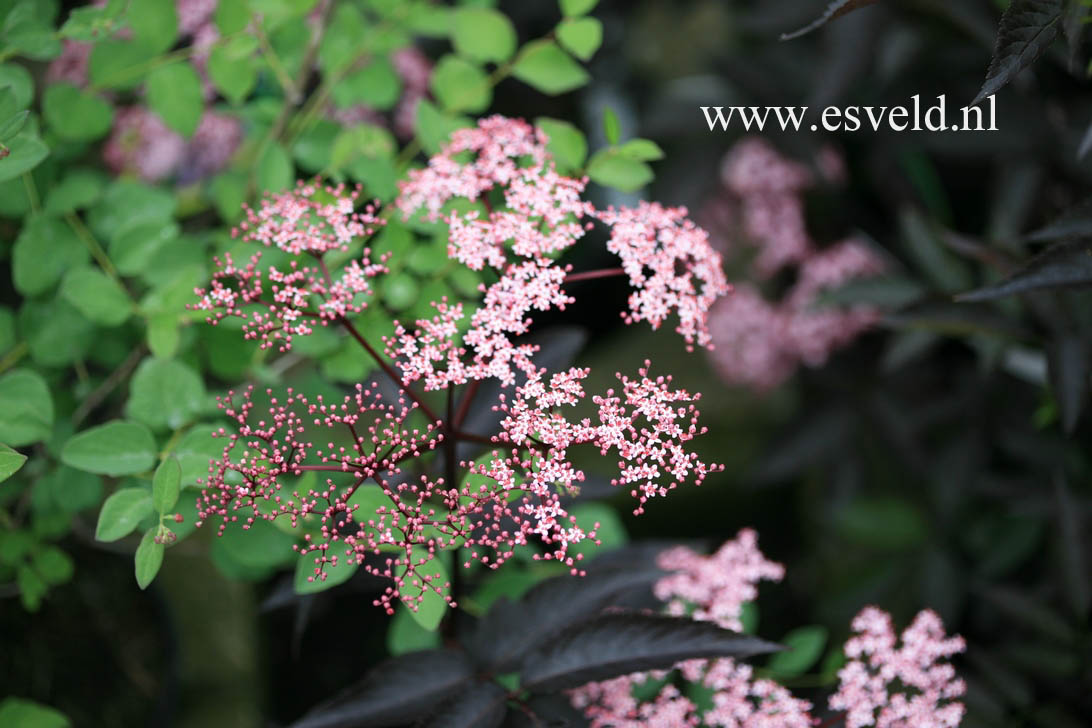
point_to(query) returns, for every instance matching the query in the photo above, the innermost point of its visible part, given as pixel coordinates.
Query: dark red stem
(593, 274)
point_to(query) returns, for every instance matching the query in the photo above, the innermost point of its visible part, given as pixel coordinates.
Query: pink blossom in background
(142, 144)
(905, 686)
(881, 685)
(414, 69)
(759, 341)
(211, 147)
(193, 14)
(71, 65)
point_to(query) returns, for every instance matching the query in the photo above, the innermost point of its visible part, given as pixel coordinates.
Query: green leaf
(341, 41)
(20, 713)
(231, 16)
(612, 128)
(26, 152)
(122, 512)
(611, 169)
(96, 296)
(79, 189)
(32, 588)
(566, 143)
(803, 648)
(13, 125)
(135, 247)
(194, 451)
(643, 150)
(432, 607)
(406, 635)
(88, 25)
(483, 34)
(56, 333)
(580, 36)
(882, 523)
(275, 172)
(399, 291)
(45, 249)
(543, 65)
(10, 462)
(32, 38)
(127, 203)
(75, 114)
(115, 448)
(53, 565)
(18, 79)
(27, 406)
(339, 574)
(434, 127)
(154, 23)
(148, 559)
(165, 394)
(70, 490)
(166, 485)
(376, 85)
(1028, 28)
(611, 533)
(174, 92)
(118, 63)
(460, 85)
(234, 78)
(573, 8)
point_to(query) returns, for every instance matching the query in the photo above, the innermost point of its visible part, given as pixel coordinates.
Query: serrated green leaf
(27, 406)
(148, 559)
(115, 448)
(543, 65)
(96, 296)
(118, 64)
(122, 512)
(483, 34)
(580, 36)
(174, 93)
(135, 247)
(166, 485)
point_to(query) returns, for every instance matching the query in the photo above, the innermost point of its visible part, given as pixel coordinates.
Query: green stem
(13, 356)
(97, 251)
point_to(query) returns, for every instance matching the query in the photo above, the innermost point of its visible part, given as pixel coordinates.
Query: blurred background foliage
(941, 460)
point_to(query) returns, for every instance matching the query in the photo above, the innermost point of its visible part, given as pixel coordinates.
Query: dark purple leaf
(510, 630)
(1068, 362)
(1074, 222)
(617, 644)
(398, 691)
(1028, 27)
(1072, 550)
(1063, 265)
(481, 706)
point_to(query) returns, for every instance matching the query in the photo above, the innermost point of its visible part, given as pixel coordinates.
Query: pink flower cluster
(710, 588)
(667, 258)
(761, 342)
(277, 304)
(907, 687)
(507, 498)
(899, 687)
